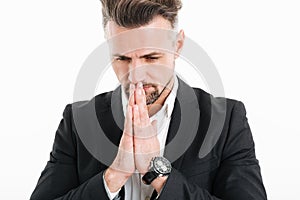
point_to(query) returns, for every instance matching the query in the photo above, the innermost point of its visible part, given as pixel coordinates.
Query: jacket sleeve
(238, 176)
(59, 179)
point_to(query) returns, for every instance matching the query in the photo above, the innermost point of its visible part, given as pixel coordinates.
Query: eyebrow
(143, 56)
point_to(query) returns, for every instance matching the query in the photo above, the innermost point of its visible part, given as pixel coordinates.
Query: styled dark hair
(136, 13)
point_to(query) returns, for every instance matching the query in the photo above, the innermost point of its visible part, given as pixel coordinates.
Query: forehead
(158, 36)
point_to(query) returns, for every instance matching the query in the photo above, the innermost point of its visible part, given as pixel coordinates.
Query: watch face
(162, 165)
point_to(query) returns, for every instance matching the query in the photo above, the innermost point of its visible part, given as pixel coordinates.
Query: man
(155, 108)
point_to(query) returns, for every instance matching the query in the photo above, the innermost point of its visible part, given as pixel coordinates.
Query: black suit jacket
(228, 171)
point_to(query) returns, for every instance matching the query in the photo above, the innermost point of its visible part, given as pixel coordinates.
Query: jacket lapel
(183, 126)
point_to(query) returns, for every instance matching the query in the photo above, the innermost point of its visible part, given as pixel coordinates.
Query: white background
(254, 44)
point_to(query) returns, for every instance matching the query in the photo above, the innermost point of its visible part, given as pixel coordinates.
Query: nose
(137, 71)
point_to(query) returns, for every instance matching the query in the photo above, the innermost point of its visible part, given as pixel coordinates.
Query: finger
(141, 102)
(136, 116)
(154, 126)
(144, 117)
(128, 121)
(131, 95)
(140, 96)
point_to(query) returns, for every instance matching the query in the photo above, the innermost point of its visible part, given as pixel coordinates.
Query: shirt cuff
(111, 195)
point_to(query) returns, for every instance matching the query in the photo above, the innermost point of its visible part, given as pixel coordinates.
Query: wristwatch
(159, 166)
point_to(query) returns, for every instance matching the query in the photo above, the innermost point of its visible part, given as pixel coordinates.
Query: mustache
(127, 86)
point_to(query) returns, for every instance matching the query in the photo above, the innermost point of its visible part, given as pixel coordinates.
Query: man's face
(146, 54)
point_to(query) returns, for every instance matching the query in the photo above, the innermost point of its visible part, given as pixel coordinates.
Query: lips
(147, 87)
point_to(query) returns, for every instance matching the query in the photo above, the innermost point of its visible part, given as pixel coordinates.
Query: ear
(179, 43)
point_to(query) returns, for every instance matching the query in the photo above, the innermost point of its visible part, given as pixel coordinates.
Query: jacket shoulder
(206, 100)
(101, 102)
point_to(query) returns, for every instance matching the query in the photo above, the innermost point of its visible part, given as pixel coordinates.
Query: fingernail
(132, 87)
(139, 91)
(140, 85)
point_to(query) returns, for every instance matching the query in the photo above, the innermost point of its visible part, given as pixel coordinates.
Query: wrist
(159, 168)
(158, 183)
(115, 179)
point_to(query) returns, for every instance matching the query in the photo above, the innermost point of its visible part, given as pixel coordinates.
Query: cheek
(168, 61)
(162, 72)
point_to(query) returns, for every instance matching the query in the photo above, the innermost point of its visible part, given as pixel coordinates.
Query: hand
(123, 166)
(146, 144)
(138, 145)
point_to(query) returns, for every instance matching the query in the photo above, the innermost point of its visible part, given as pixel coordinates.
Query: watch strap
(149, 177)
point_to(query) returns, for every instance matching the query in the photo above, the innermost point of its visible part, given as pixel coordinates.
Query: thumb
(154, 125)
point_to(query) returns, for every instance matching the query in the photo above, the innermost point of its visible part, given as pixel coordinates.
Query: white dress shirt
(135, 189)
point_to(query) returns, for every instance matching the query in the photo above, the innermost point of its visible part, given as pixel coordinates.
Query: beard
(152, 97)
